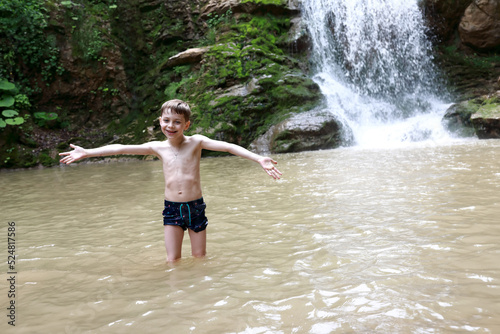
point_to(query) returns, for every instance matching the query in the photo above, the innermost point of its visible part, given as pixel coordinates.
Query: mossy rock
(479, 116)
(486, 120)
(248, 82)
(18, 156)
(46, 159)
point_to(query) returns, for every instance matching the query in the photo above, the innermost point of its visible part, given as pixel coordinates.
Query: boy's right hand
(72, 156)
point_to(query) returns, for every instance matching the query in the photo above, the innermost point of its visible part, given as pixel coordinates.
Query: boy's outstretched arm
(265, 162)
(79, 153)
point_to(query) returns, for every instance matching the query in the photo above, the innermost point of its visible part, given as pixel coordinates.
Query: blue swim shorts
(186, 215)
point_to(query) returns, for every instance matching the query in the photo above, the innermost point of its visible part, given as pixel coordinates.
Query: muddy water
(400, 240)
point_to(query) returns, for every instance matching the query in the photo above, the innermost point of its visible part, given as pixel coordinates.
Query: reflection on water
(350, 240)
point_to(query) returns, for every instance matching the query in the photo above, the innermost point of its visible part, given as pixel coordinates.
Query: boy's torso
(181, 169)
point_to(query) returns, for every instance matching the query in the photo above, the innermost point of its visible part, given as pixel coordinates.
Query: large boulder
(480, 25)
(480, 116)
(308, 131)
(457, 118)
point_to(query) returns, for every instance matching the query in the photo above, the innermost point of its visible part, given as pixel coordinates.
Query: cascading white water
(373, 63)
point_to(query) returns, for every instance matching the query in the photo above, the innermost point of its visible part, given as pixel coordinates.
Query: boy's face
(173, 125)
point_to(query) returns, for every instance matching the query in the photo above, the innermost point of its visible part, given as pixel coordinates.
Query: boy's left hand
(268, 165)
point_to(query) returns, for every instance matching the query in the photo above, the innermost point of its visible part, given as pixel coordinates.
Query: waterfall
(373, 62)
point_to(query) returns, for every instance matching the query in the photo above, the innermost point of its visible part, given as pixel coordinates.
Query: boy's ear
(188, 123)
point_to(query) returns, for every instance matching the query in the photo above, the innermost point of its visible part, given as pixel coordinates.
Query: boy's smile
(173, 124)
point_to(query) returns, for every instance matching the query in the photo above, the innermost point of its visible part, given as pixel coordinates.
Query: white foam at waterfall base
(420, 128)
(373, 63)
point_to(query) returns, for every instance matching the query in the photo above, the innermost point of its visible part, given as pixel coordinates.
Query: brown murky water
(401, 240)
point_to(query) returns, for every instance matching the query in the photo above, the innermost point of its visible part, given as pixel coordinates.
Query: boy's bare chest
(186, 157)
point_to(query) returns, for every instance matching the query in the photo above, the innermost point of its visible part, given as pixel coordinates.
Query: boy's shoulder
(196, 138)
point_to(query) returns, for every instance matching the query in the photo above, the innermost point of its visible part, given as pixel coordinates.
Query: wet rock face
(487, 128)
(480, 117)
(457, 119)
(312, 130)
(486, 121)
(477, 21)
(97, 83)
(443, 16)
(480, 25)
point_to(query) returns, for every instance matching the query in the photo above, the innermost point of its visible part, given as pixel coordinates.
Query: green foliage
(5, 85)
(249, 47)
(87, 32)
(215, 19)
(106, 91)
(43, 118)
(479, 64)
(171, 90)
(45, 115)
(214, 23)
(262, 31)
(6, 101)
(494, 99)
(9, 99)
(23, 43)
(22, 101)
(468, 75)
(9, 113)
(46, 160)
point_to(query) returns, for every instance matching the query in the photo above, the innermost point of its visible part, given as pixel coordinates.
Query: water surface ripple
(400, 240)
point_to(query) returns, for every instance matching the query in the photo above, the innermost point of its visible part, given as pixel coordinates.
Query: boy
(180, 155)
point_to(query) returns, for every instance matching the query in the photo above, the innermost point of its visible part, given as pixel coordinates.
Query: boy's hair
(177, 106)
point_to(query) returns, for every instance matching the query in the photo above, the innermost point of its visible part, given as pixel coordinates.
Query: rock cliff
(467, 38)
(93, 73)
